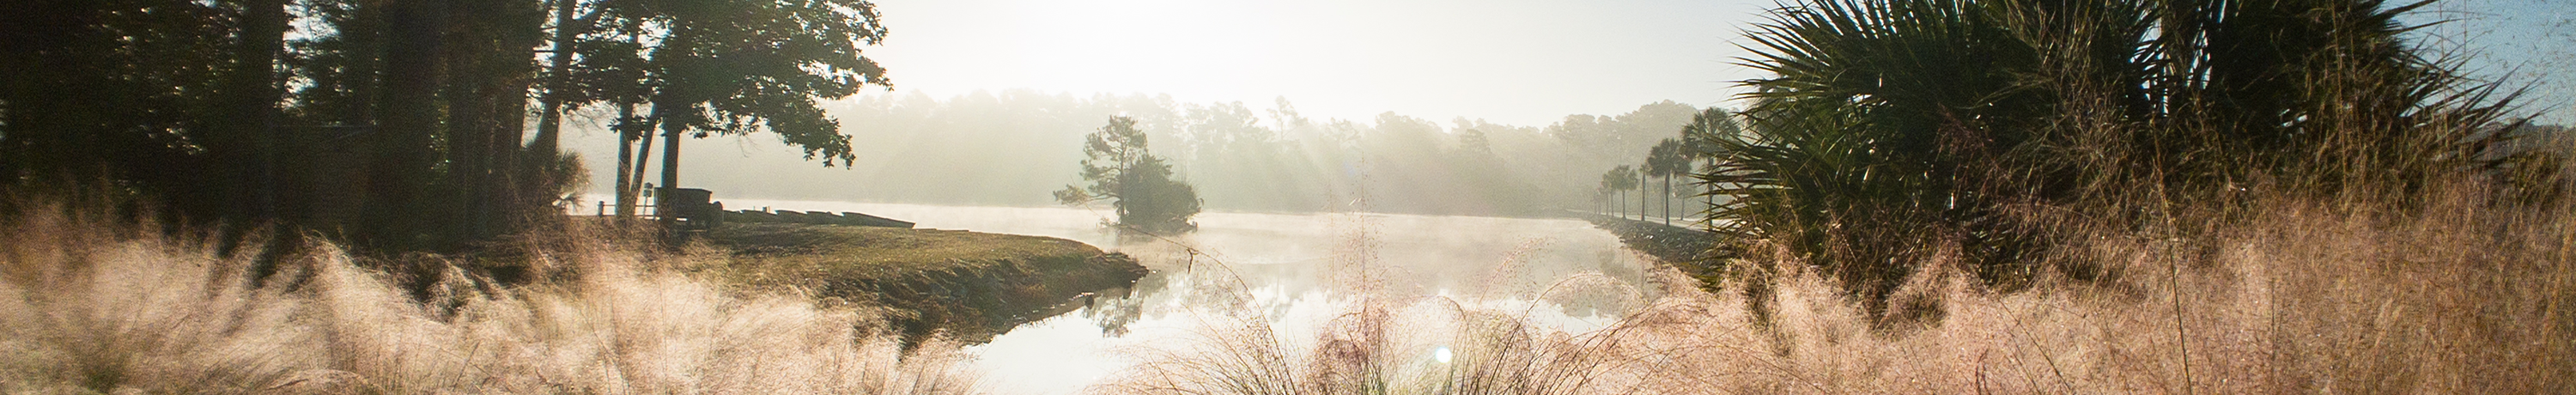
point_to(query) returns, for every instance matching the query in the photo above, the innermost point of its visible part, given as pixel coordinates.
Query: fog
(1522, 62)
(1011, 148)
(1313, 196)
(1433, 107)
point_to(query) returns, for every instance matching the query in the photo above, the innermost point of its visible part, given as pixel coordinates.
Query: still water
(1295, 269)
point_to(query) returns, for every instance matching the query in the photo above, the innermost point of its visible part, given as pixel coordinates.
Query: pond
(1297, 270)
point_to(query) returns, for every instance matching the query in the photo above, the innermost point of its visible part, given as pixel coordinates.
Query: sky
(1524, 62)
(2527, 44)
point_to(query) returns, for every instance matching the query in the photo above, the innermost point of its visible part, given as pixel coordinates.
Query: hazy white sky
(1527, 62)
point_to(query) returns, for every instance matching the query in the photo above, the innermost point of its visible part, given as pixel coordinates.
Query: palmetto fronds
(1892, 132)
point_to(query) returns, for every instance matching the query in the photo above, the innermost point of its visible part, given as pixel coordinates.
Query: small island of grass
(969, 285)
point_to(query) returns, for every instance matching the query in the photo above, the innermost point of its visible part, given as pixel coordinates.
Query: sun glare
(1519, 62)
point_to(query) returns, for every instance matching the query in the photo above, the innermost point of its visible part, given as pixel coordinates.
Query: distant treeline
(1014, 147)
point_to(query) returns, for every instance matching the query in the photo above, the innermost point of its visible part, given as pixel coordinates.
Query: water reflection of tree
(1114, 309)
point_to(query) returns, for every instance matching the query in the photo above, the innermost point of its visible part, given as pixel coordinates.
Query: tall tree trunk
(491, 63)
(247, 150)
(626, 138)
(250, 182)
(558, 80)
(331, 167)
(670, 166)
(1707, 197)
(509, 198)
(643, 156)
(392, 216)
(537, 174)
(506, 203)
(469, 135)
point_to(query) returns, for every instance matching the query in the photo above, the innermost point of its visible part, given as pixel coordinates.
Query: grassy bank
(2300, 296)
(90, 303)
(969, 285)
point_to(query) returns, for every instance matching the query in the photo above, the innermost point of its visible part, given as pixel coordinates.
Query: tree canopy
(1139, 184)
(400, 124)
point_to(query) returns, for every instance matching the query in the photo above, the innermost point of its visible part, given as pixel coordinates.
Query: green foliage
(1619, 179)
(1701, 137)
(1666, 160)
(88, 90)
(398, 124)
(735, 67)
(1893, 132)
(1138, 183)
(1702, 151)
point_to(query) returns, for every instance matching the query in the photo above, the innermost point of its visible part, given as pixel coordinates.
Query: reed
(2453, 292)
(94, 303)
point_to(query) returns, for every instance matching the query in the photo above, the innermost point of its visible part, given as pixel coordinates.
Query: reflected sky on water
(1296, 270)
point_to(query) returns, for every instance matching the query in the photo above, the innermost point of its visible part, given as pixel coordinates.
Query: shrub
(1897, 133)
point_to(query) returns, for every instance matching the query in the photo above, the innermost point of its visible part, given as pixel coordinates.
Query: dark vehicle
(690, 209)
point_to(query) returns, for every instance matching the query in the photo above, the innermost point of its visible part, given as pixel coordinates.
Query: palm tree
(1600, 197)
(1621, 179)
(1700, 142)
(1641, 174)
(1887, 122)
(1667, 160)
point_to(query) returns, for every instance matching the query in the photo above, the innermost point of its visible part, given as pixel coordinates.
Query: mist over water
(1893, 196)
(1298, 270)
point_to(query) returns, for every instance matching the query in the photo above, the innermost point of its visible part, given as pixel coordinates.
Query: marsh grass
(2454, 293)
(1892, 133)
(2457, 294)
(92, 303)
(2299, 298)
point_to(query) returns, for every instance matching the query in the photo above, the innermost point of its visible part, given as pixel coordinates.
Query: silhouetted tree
(406, 118)
(103, 91)
(1622, 179)
(1139, 184)
(598, 54)
(741, 66)
(1641, 175)
(1666, 160)
(396, 211)
(1701, 143)
(1892, 131)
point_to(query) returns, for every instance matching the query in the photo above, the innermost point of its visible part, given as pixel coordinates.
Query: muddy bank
(969, 285)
